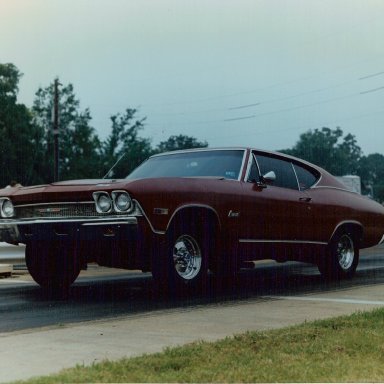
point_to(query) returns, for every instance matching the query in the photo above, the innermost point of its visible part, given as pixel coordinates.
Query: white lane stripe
(324, 299)
(5, 282)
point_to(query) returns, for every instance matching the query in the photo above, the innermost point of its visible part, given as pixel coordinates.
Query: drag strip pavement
(108, 316)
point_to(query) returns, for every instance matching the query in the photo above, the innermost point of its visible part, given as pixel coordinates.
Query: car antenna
(114, 165)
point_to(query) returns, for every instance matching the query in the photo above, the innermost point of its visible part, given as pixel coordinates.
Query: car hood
(61, 191)
(81, 190)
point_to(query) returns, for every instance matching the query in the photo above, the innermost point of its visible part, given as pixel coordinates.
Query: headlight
(103, 202)
(7, 208)
(121, 200)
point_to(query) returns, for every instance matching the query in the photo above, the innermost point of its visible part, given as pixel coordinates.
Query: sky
(232, 72)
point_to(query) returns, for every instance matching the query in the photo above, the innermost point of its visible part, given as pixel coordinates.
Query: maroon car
(184, 214)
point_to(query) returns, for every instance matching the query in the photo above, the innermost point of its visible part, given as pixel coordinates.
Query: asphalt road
(110, 314)
(101, 293)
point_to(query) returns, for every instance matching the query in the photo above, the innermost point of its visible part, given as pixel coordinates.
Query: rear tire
(342, 257)
(52, 264)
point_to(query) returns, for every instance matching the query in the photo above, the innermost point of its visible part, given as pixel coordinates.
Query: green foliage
(79, 146)
(26, 142)
(124, 144)
(20, 140)
(341, 155)
(330, 150)
(344, 349)
(9, 81)
(178, 142)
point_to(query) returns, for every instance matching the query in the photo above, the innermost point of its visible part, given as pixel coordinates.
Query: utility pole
(56, 130)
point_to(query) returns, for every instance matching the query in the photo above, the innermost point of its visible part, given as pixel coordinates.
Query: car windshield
(217, 163)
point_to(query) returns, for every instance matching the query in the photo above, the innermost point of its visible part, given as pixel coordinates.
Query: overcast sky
(241, 72)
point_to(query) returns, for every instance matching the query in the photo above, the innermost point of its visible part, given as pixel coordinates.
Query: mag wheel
(187, 257)
(342, 257)
(52, 264)
(182, 265)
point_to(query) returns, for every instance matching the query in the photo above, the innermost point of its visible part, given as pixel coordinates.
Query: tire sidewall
(330, 267)
(167, 279)
(53, 265)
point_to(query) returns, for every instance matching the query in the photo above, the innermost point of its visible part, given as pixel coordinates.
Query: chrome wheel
(341, 258)
(187, 257)
(345, 252)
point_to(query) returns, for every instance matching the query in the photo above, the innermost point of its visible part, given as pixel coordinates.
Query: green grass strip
(343, 349)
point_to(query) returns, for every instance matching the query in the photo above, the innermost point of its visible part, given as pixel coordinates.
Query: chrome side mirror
(267, 179)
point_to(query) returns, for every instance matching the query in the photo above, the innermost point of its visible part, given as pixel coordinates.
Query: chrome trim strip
(242, 165)
(297, 179)
(134, 211)
(337, 188)
(282, 241)
(55, 202)
(206, 149)
(345, 222)
(173, 215)
(192, 206)
(249, 166)
(95, 221)
(148, 221)
(381, 241)
(130, 221)
(244, 150)
(317, 182)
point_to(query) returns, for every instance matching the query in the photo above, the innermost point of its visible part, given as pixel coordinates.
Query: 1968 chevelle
(185, 213)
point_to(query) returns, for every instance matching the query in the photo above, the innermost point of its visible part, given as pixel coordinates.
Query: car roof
(203, 149)
(273, 153)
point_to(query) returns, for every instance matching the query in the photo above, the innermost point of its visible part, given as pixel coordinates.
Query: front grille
(58, 210)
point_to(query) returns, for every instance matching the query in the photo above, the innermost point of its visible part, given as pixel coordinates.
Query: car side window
(285, 175)
(306, 177)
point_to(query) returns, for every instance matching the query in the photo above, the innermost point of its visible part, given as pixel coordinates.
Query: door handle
(305, 199)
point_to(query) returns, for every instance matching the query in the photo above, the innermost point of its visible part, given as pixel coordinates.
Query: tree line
(26, 142)
(340, 155)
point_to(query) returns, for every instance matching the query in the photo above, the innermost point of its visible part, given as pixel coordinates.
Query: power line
(322, 124)
(243, 106)
(372, 90)
(373, 75)
(241, 118)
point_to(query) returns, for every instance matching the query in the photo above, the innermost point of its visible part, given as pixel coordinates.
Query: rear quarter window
(306, 177)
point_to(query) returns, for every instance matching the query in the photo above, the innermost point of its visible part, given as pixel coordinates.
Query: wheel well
(207, 220)
(354, 229)
(204, 215)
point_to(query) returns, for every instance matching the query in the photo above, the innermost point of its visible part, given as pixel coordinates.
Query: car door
(276, 213)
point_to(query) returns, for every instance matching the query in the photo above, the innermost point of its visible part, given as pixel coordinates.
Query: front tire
(342, 257)
(52, 264)
(181, 266)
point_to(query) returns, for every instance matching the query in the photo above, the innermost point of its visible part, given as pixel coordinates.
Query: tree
(178, 142)
(9, 81)
(124, 146)
(20, 139)
(79, 145)
(329, 149)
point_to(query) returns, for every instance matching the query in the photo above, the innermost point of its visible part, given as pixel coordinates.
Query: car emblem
(49, 210)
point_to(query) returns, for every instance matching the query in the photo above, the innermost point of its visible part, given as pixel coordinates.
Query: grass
(343, 349)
